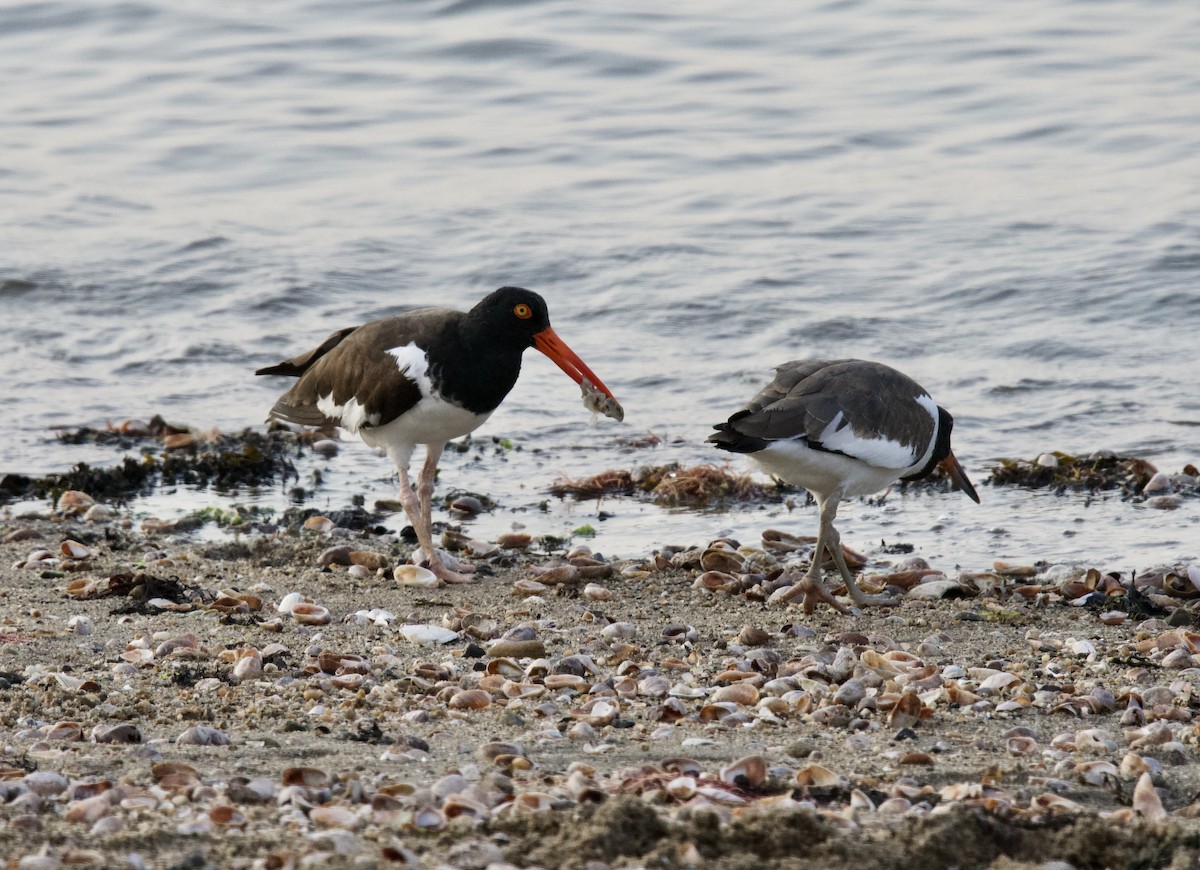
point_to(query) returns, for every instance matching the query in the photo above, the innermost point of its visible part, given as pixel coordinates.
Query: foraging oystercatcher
(425, 377)
(841, 428)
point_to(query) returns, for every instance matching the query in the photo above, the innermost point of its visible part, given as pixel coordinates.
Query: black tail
(298, 365)
(728, 438)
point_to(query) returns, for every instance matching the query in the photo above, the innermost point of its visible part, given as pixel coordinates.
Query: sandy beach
(165, 703)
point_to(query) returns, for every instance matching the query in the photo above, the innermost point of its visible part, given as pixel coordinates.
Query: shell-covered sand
(164, 703)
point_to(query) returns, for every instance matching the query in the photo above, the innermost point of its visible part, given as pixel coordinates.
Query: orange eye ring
(523, 311)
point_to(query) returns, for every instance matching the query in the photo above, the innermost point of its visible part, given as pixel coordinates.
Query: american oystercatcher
(425, 377)
(842, 428)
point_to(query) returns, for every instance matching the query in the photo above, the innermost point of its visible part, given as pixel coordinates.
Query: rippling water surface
(1003, 201)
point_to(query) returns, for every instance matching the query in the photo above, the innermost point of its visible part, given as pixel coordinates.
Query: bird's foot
(862, 599)
(815, 593)
(446, 567)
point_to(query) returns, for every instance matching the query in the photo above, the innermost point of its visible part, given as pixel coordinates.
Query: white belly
(821, 472)
(430, 421)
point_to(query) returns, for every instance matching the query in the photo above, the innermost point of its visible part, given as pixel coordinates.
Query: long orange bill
(548, 342)
(958, 477)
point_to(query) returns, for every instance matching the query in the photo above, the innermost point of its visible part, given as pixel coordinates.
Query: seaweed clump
(672, 485)
(1099, 472)
(169, 455)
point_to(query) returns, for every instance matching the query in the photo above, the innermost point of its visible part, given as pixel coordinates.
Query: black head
(511, 316)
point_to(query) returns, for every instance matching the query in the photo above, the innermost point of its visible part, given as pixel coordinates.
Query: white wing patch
(351, 416)
(881, 451)
(414, 365)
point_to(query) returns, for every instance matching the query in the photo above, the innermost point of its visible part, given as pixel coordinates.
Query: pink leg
(425, 512)
(811, 585)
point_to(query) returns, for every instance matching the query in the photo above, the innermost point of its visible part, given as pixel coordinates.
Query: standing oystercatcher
(425, 377)
(841, 428)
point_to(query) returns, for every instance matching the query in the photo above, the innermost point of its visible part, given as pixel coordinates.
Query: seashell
(318, 523)
(325, 447)
(248, 665)
(726, 561)
(307, 613)
(599, 711)
(428, 634)
(499, 748)
(81, 625)
(203, 735)
(89, 810)
(335, 817)
(679, 634)
(1011, 569)
(429, 819)
(1021, 745)
(123, 732)
(753, 636)
(596, 592)
(74, 550)
(1164, 502)
(907, 711)
(933, 589)
(682, 788)
(816, 776)
(1095, 740)
(529, 587)
(470, 699)
(559, 575)
(922, 758)
(1046, 460)
(518, 649)
(859, 801)
(999, 681)
(1113, 617)
(554, 682)
(415, 575)
(288, 602)
(1054, 804)
(749, 772)
(225, 816)
(715, 581)
(307, 777)
(478, 625)
(1146, 802)
(738, 693)
(1097, 772)
(45, 783)
(73, 502)
(514, 540)
(619, 630)
(98, 513)
(368, 559)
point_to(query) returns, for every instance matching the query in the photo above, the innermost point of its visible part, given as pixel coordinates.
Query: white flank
(350, 416)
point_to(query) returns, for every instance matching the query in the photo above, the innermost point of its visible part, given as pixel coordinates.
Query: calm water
(1003, 201)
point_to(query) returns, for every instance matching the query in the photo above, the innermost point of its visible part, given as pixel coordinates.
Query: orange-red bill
(959, 477)
(548, 342)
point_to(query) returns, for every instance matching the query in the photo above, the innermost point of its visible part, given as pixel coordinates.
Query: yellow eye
(523, 311)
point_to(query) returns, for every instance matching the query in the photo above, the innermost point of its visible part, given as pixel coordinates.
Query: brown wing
(353, 376)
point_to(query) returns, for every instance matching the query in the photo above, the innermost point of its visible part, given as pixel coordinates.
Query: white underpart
(869, 464)
(350, 416)
(432, 420)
